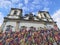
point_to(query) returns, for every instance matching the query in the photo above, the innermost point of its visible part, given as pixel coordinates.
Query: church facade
(15, 20)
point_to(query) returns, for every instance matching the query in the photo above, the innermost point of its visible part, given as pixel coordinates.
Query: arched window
(9, 28)
(45, 15)
(15, 12)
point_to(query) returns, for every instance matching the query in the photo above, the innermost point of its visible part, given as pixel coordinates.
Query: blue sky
(53, 6)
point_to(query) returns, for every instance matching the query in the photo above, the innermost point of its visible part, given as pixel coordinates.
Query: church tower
(15, 13)
(12, 19)
(45, 16)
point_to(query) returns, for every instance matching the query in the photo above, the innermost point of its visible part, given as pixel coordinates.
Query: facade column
(3, 26)
(17, 26)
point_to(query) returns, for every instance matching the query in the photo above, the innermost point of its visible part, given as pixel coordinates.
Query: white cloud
(25, 8)
(45, 9)
(1, 18)
(20, 5)
(46, 2)
(36, 1)
(5, 4)
(56, 17)
(42, 2)
(35, 4)
(26, 1)
(15, 1)
(34, 13)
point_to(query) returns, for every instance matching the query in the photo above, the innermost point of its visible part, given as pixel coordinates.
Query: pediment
(26, 18)
(35, 18)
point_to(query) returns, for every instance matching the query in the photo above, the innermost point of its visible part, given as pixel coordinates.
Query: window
(45, 15)
(9, 28)
(15, 12)
(31, 17)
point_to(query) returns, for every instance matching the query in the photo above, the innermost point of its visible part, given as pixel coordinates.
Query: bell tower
(43, 15)
(15, 13)
(12, 19)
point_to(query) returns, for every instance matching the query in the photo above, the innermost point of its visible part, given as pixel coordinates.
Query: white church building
(16, 20)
